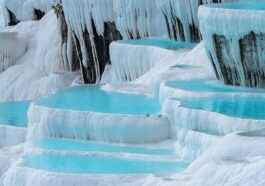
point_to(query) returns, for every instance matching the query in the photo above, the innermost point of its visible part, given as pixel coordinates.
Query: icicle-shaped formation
(91, 21)
(10, 49)
(132, 61)
(139, 19)
(96, 23)
(234, 38)
(181, 17)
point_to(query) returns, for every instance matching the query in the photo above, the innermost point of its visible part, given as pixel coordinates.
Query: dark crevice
(75, 63)
(12, 18)
(100, 54)
(195, 34)
(175, 27)
(248, 70)
(227, 65)
(251, 48)
(38, 14)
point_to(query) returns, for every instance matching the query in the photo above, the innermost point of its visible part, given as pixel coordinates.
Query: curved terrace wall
(98, 115)
(196, 130)
(47, 122)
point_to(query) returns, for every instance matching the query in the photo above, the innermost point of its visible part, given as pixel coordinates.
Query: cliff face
(234, 38)
(89, 51)
(248, 69)
(89, 26)
(95, 24)
(93, 50)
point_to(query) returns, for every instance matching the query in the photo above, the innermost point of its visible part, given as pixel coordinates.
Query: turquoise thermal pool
(77, 145)
(240, 107)
(240, 5)
(100, 165)
(162, 43)
(92, 98)
(208, 86)
(14, 113)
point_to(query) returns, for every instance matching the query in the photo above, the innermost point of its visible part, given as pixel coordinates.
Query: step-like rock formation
(235, 40)
(96, 23)
(89, 26)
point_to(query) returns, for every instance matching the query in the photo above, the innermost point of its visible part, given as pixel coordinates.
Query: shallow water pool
(77, 145)
(14, 113)
(93, 99)
(241, 5)
(209, 86)
(162, 43)
(241, 107)
(100, 165)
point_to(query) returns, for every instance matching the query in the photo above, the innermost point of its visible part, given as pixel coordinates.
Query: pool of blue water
(100, 165)
(210, 86)
(162, 43)
(93, 99)
(240, 107)
(14, 113)
(241, 5)
(76, 145)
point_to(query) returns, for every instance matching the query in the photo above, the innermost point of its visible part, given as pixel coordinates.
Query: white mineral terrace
(119, 128)
(173, 124)
(128, 67)
(234, 21)
(11, 49)
(203, 88)
(10, 135)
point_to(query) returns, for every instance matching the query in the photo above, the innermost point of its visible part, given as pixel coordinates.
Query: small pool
(76, 145)
(162, 43)
(241, 107)
(14, 113)
(100, 165)
(208, 86)
(93, 99)
(241, 5)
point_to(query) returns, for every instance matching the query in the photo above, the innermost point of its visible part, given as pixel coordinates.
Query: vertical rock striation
(11, 48)
(234, 38)
(89, 26)
(96, 23)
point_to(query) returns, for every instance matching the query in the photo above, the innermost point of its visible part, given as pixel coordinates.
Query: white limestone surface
(48, 122)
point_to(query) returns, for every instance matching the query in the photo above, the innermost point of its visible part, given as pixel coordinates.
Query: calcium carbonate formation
(127, 66)
(79, 38)
(47, 122)
(16, 11)
(234, 37)
(11, 49)
(90, 21)
(89, 26)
